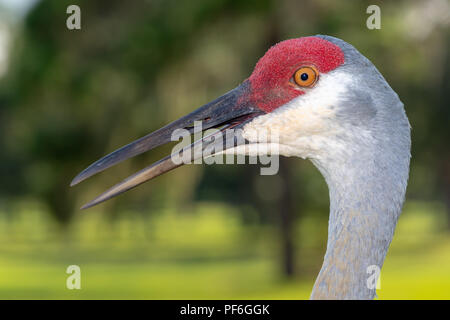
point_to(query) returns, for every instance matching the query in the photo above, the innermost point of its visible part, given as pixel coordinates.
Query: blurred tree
(70, 93)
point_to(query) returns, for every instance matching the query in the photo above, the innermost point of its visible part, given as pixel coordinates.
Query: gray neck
(367, 189)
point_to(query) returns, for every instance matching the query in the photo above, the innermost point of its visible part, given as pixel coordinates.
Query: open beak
(228, 112)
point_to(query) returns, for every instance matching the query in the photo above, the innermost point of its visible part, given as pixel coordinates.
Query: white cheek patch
(307, 123)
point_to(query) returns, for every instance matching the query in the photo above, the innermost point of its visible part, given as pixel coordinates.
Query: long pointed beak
(230, 111)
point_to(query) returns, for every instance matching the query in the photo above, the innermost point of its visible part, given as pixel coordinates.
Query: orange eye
(306, 76)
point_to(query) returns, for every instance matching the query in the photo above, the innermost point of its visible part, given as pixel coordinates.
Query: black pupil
(304, 76)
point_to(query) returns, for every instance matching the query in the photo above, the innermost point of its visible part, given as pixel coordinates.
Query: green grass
(209, 255)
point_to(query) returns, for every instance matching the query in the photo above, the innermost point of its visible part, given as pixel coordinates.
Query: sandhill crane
(328, 103)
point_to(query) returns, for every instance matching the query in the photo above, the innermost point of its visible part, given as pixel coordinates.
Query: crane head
(315, 93)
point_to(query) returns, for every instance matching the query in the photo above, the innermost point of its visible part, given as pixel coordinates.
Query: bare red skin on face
(270, 81)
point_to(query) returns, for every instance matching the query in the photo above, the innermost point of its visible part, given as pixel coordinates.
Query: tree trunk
(286, 214)
(446, 189)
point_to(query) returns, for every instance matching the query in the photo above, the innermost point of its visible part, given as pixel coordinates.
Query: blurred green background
(210, 232)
